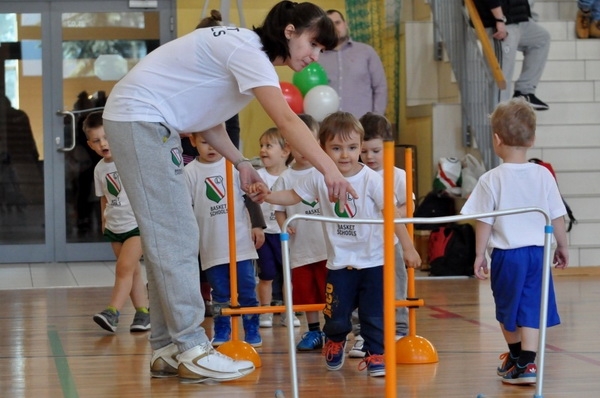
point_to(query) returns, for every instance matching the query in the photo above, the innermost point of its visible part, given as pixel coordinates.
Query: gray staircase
(568, 135)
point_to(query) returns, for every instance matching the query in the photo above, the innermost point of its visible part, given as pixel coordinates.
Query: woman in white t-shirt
(195, 83)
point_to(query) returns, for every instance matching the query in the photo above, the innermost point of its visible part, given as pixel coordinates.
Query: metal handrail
(287, 279)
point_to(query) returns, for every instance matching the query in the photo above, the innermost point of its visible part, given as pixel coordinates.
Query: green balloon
(312, 75)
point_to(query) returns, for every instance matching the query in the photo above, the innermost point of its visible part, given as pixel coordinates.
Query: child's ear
(497, 139)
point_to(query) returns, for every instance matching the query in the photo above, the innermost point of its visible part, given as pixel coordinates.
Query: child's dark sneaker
(107, 319)
(141, 322)
(507, 362)
(334, 354)
(518, 375)
(374, 364)
(311, 340)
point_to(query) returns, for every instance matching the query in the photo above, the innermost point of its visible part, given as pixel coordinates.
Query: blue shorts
(269, 258)
(516, 277)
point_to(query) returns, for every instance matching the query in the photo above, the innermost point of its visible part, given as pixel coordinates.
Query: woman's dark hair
(213, 20)
(304, 16)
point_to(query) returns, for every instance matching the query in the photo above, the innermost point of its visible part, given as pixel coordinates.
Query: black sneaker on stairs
(534, 101)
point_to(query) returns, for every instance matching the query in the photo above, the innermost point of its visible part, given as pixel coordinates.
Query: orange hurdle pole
(389, 270)
(235, 348)
(267, 309)
(412, 349)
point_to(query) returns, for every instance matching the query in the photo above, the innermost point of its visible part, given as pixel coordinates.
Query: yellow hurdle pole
(410, 272)
(232, 249)
(389, 272)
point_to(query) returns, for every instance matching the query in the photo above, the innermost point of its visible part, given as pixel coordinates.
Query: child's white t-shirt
(267, 208)
(208, 188)
(307, 245)
(354, 245)
(516, 185)
(118, 212)
(211, 71)
(399, 185)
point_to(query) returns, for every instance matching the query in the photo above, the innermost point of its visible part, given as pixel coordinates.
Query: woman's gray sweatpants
(149, 160)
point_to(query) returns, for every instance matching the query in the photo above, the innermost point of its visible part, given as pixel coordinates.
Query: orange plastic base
(237, 349)
(415, 349)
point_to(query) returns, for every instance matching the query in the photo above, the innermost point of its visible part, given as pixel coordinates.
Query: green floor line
(62, 365)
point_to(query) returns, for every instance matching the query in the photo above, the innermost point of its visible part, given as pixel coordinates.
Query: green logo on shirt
(348, 211)
(113, 183)
(215, 188)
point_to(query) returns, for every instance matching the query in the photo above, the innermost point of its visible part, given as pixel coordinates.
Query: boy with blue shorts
(516, 242)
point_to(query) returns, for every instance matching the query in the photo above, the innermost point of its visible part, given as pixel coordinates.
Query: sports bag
(452, 250)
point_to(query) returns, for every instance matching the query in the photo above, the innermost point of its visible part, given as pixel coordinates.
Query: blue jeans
(218, 277)
(590, 5)
(347, 289)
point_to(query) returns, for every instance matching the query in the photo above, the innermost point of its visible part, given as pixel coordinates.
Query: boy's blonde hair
(514, 121)
(376, 126)
(340, 124)
(273, 134)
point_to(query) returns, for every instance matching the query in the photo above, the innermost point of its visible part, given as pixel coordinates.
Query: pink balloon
(293, 96)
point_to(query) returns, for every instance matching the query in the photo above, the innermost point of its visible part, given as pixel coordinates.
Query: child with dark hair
(120, 228)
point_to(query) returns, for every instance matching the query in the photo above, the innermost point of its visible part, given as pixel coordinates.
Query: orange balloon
(293, 96)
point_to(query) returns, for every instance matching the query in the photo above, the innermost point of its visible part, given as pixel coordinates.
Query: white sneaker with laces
(202, 363)
(164, 361)
(356, 350)
(296, 321)
(265, 320)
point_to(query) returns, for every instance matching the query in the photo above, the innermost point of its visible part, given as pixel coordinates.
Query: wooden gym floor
(50, 347)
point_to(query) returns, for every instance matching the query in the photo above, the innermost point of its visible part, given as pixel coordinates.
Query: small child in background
(517, 241)
(276, 156)
(377, 130)
(206, 179)
(308, 254)
(354, 251)
(120, 228)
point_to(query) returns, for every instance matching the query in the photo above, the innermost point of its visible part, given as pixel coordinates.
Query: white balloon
(321, 101)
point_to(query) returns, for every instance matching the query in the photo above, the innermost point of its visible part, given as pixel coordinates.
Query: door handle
(71, 115)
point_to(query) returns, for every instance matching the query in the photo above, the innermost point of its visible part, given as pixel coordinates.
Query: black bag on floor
(434, 204)
(452, 250)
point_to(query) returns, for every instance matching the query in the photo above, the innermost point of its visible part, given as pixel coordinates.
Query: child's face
(98, 142)
(272, 154)
(345, 153)
(206, 153)
(372, 153)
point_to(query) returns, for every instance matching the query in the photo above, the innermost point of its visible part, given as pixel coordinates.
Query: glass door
(60, 60)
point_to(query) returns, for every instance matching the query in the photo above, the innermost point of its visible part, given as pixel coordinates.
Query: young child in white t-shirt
(377, 130)
(206, 178)
(354, 251)
(120, 227)
(308, 254)
(275, 156)
(516, 242)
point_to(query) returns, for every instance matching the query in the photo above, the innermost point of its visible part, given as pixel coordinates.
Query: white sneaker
(265, 320)
(296, 321)
(164, 361)
(356, 350)
(202, 363)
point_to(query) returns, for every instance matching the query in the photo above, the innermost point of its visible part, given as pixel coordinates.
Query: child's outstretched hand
(258, 191)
